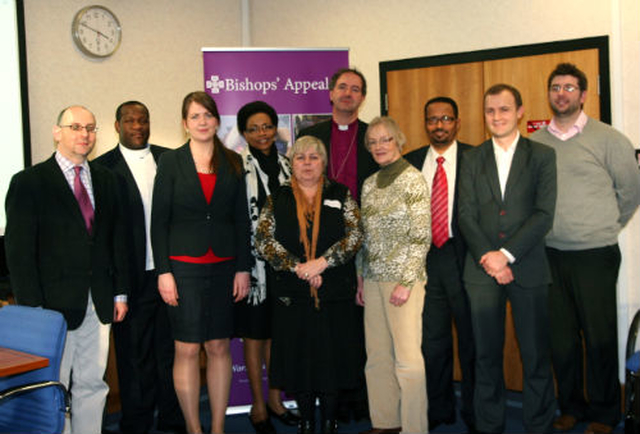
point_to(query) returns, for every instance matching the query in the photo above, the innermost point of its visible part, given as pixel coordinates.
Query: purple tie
(83, 199)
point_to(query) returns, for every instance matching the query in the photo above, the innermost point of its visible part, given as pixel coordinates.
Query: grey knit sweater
(598, 186)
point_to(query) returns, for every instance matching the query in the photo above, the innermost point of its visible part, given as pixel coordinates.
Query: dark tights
(307, 404)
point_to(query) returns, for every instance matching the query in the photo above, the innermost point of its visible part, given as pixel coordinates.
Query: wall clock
(96, 31)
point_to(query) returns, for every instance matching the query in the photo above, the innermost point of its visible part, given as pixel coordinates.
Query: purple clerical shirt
(343, 155)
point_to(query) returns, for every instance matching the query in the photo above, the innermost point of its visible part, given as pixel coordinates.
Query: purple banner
(296, 83)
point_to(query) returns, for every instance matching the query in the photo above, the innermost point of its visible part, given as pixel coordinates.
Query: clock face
(96, 31)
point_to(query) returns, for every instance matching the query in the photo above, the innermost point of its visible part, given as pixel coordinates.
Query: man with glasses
(143, 342)
(65, 251)
(598, 192)
(446, 298)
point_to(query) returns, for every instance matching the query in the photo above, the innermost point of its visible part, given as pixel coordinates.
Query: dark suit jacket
(52, 259)
(417, 159)
(518, 223)
(183, 223)
(366, 165)
(133, 211)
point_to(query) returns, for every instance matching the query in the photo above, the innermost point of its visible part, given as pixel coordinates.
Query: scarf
(309, 213)
(253, 171)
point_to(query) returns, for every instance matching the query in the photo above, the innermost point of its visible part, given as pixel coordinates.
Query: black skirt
(315, 350)
(205, 303)
(253, 321)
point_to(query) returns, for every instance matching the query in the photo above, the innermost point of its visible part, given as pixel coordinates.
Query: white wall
(158, 62)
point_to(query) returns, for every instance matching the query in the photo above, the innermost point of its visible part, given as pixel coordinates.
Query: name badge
(332, 203)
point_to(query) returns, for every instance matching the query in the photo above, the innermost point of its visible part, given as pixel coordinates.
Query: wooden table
(15, 362)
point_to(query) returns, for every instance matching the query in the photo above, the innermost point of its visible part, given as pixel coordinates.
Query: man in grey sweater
(598, 192)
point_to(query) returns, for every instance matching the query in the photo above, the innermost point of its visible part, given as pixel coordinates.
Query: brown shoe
(383, 431)
(565, 422)
(598, 428)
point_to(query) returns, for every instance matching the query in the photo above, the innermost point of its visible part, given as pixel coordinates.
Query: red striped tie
(440, 206)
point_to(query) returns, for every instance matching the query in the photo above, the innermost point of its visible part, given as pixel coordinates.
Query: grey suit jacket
(520, 221)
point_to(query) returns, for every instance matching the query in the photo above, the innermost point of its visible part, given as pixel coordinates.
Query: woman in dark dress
(200, 236)
(265, 169)
(309, 232)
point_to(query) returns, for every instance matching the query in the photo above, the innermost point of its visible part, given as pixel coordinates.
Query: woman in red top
(200, 237)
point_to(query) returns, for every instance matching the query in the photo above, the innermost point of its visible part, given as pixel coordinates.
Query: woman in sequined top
(396, 222)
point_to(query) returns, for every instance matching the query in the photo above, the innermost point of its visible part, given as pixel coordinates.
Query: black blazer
(518, 223)
(183, 223)
(417, 158)
(366, 164)
(133, 211)
(53, 261)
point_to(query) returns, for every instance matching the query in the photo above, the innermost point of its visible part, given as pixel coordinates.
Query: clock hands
(94, 30)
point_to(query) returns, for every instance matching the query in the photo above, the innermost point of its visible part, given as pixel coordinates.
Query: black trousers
(529, 306)
(445, 300)
(144, 354)
(582, 302)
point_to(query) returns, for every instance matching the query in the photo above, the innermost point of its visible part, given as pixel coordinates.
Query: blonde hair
(392, 128)
(305, 143)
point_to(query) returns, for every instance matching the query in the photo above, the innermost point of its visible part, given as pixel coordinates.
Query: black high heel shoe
(262, 427)
(306, 427)
(288, 417)
(329, 427)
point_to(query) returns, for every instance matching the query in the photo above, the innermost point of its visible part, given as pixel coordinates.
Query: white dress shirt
(143, 167)
(504, 157)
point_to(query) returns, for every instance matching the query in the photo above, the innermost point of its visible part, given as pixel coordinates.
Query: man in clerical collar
(143, 342)
(349, 162)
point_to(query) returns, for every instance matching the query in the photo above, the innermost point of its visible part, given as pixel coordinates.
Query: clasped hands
(496, 265)
(311, 271)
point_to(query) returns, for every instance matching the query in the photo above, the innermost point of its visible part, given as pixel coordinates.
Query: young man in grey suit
(507, 199)
(65, 251)
(143, 343)
(446, 298)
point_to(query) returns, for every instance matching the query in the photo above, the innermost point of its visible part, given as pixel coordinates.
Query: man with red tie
(65, 251)
(445, 297)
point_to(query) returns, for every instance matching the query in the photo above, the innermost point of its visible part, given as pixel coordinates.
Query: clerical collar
(344, 127)
(137, 153)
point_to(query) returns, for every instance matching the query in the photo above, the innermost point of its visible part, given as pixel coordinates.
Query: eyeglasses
(77, 127)
(383, 141)
(446, 120)
(263, 128)
(570, 88)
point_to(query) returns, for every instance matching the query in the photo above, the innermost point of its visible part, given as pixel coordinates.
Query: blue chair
(35, 401)
(632, 380)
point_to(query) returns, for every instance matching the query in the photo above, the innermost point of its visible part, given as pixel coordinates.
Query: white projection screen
(15, 143)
